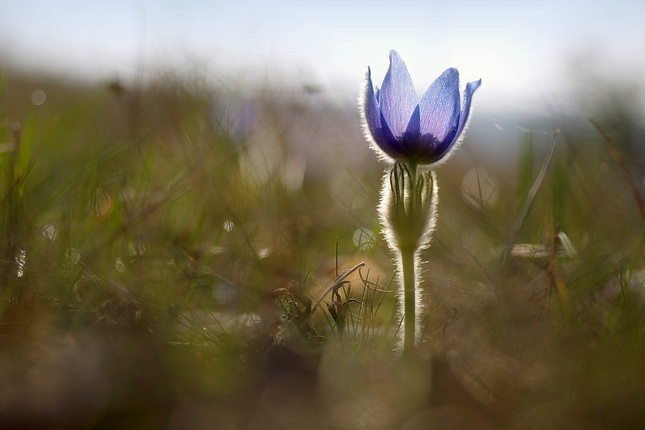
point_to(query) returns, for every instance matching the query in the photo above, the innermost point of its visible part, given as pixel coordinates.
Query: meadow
(176, 255)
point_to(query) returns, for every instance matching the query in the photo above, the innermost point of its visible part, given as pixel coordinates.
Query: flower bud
(408, 207)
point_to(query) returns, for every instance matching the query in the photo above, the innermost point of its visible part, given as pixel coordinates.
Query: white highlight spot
(364, 238)
(38, 97)
(21, 261)
(49, 231)
(120, 265)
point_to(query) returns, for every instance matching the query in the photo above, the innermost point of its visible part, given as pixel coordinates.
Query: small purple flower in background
(409, 130)
(236, 116)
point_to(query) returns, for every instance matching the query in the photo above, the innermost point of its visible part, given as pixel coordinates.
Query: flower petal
(440, 106)
(410, 140)
(371, 113)
(373, 123)
(465, 109)
(414, 125)
(397, 98)
(449, 141)
(430, 151)
(388, 142)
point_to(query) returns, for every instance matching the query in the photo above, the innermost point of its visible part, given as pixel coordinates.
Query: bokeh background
(189, 230)
(530, 55)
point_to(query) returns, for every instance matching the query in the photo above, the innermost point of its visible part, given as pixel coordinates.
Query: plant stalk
(408, 262)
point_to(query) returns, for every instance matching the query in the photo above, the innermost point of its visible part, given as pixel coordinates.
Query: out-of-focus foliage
(180, 256)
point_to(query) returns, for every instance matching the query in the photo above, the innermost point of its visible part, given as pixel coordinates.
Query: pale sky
(519, 49)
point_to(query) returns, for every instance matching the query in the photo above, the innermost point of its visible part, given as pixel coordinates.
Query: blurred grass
(180, 256)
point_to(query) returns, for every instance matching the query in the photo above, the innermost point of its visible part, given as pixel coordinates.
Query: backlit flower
(409, 130)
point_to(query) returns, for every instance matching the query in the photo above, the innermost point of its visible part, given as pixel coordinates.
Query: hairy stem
(408, 214)
(408, 271)
(408, 262)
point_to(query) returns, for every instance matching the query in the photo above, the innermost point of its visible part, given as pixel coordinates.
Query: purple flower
(406, 129)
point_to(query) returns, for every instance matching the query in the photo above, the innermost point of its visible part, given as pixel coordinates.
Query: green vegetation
(177, 256)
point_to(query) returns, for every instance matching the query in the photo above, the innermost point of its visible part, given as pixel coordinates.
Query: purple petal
(410, 140)
(440, 106)
(387, 142)
(373, 118)
(398, 98)
(429, 150)
(370, 107)
(465, 109)
(414, 125)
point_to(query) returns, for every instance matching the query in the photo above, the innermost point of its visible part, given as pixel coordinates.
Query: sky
(524, 52)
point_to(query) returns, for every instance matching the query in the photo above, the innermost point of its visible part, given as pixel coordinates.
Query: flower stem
(409, 299)
(407, 211)
(408, 262)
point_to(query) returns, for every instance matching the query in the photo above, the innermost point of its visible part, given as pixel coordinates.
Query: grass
(178, 256)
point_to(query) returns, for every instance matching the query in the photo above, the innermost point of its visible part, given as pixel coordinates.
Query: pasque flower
(411, 130)
(413, 135)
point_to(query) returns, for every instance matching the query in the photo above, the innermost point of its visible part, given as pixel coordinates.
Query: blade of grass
(618, 157)
(530, 199)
